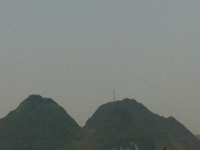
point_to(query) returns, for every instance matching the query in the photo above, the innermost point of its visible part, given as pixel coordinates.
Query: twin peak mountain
(41, 124)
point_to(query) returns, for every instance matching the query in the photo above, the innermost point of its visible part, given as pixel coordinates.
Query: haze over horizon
(76, 52)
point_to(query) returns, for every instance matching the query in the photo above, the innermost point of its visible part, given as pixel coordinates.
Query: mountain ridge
(40, 123)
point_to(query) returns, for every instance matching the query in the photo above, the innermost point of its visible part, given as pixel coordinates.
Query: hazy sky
(77, 51)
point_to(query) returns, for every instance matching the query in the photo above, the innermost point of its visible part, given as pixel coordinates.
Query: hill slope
(122, 123)
(37, 123)
(198, 136)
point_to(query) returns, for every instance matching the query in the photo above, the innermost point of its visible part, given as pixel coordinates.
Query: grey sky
(76, 52)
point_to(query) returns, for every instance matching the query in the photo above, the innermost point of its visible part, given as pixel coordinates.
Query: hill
(41, 124)
(127, 122)
(37, 123)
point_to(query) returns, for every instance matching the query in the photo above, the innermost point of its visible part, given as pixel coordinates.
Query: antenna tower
(113, 95)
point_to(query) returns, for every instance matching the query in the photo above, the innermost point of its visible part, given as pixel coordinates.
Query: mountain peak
(37, 120)
(117, 123)
(35, 96)
(37, 99)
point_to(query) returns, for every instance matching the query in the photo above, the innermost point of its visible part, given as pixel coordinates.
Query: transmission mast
(113, 95)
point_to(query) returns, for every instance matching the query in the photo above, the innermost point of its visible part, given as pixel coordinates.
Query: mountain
(41, 124)
(127, 123)
(37, 123)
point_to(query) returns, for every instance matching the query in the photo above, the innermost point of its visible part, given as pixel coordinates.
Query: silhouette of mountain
(122, 123)
(37, 123)
(41, 124)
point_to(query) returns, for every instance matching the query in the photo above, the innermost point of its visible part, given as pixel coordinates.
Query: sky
(78, 52)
